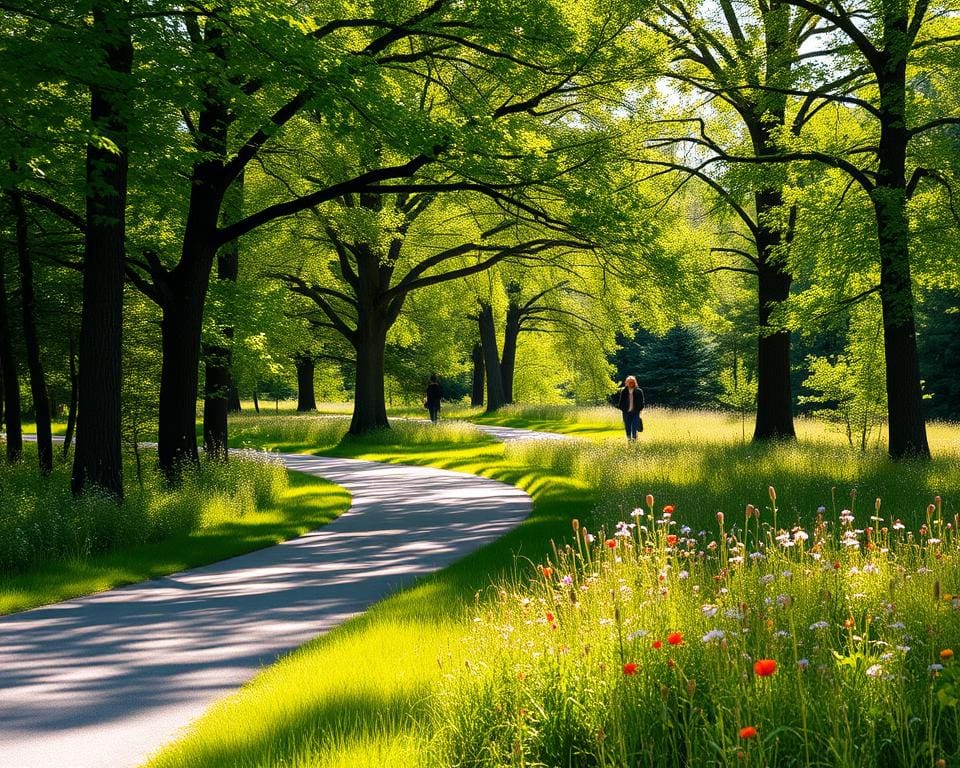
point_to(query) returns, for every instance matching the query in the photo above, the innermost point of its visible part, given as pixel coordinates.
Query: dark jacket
(623, 402)
(434, 393)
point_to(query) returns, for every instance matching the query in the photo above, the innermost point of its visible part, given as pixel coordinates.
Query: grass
(379, 689)
(92, 545)
(343, 699)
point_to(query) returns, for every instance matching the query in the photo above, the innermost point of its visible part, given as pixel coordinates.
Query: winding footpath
(104, 681)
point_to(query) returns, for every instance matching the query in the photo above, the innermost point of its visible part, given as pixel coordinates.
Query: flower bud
(650, 502)
(773, 494)
(720, 517)
(876, 505)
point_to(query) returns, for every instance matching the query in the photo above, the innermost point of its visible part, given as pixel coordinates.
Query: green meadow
(518, 654)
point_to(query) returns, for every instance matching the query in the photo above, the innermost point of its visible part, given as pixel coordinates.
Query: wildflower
(629, 669)
(611, 543)
(820, 625)
(821, 509)
(649, 501)
(934, 668)
(803, 663)
(657, 644)
(550, 617)
(636, 634)
(875, 670)
(675, 638)
(567, 580)
(767, 578)
(748, 732)
(638, 512)
(764, 667)
(668, 510)
(871, 568)
(848, 623)
(709, 610)
(547, 571)
(671, 539)
(898, 526)
(946, 654)
(714, 635)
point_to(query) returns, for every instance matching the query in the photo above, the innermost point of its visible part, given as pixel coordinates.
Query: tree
(878, 39)
(745, 62)
(97, 459)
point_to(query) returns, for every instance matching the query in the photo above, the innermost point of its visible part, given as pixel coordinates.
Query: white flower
(898, 526)
(801, 535)
(935, 668)
(897, 625)
(638, 512)
(683, 575)
(710, 610)
(820, 625)
(638, 633)
(871, 568)
(875, 670)
(766, 579)
(713, 636)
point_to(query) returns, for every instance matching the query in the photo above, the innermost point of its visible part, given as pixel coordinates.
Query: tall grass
(314, 432)
(745, 644)
(696, 460)
(41, 521)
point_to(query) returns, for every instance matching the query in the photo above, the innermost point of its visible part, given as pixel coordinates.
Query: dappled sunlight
(134, 664)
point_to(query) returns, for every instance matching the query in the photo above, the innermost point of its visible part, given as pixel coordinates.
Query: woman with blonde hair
(631, 403)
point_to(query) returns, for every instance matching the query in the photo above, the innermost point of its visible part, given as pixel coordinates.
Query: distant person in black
(631, 403)
(432, 401)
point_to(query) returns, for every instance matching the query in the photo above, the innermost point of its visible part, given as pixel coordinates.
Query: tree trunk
(217, 379)
(97, 459)
(907, 427)
(774, 393)
(306, 368)
(496, 398)
(233, 398)
(72, 412)
(369, 402)
(180, 333)
(216, 385)
(38, 382)
(11, 384)
(476, 395)
(256, 399)
(508, 360)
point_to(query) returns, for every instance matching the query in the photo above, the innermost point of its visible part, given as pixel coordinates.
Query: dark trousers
(631, 423)
(434, 412)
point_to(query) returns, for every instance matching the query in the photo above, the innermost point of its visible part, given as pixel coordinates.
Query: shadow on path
(107, 679)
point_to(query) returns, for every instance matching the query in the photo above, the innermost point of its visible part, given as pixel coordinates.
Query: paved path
(106, 680)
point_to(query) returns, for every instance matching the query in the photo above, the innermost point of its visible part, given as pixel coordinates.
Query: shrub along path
(107, 679)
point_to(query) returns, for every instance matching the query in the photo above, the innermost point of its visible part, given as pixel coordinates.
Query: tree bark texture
(369, 404)
(97, 459)
(476, 394)
(72, 410)
(496, 398)
(774, 391)
(38, 382)
(508, 360)
(11, 384)
(180, 333)
(907, 426)
(218, 383)
(306, 369)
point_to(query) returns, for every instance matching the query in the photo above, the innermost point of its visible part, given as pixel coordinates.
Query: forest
(749, 205)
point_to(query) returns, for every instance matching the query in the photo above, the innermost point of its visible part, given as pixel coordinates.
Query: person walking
(434, 395)
(631, 404)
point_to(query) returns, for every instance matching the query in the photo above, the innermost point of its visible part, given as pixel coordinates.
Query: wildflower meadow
(746, 643)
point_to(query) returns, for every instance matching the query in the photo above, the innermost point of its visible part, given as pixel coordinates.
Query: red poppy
(549, 618)
(671, 539)
(657, 645)
(612, 543)
(764, 667)
(629, 669)
(546, 570)
(675, 638)
(668, 510)
(748, 732)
